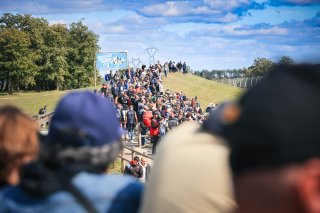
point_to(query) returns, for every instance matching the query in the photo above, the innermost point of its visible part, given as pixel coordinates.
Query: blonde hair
(18, 139)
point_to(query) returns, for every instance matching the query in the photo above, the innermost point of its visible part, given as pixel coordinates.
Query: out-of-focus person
(18, 143)
(190, 174)
(83, 140)
(275, 145)
(134, 169)
(146, 167)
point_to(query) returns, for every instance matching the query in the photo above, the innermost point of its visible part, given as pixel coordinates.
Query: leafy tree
(83, 47)
(56, 67)
(16, 60)
(36, 55)
(260, 67)
(286, 60)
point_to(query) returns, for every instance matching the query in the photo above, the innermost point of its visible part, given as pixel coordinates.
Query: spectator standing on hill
(179, 66)
(69, 175)
(166, 69)
(131, 120)
(275, 153)
(173, 67)
(184, 68)
(18, 144)
(134, 169)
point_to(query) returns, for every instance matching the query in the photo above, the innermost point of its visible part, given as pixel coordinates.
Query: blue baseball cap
(84, 119)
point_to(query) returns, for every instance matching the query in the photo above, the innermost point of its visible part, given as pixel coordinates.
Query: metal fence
(240, 82)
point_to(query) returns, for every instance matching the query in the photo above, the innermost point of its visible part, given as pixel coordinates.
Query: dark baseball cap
(84, 119)
(279, 121)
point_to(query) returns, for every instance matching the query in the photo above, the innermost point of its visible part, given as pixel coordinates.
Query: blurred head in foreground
(275, 143)
(190, 174)
(84, 130)
(18, 143)
(84, 138)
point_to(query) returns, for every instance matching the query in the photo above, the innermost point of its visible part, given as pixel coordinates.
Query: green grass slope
(31, 102)
(207, 91)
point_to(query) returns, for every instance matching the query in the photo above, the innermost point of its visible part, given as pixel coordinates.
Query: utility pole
(136, 62)
(151, 52)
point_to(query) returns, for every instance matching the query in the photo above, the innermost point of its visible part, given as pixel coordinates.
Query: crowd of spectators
(258, 154)
(139, 98)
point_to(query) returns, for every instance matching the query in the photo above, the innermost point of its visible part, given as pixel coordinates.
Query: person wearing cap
(69, 175)
(275, 146)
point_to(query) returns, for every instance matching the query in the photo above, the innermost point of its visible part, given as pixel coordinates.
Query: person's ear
(308, 186)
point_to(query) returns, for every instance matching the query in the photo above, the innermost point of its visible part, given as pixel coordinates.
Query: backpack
(146, 120)
(163, 129)
(130, 117)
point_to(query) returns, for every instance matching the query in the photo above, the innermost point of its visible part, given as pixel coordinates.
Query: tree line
(37, 56)
(260, 67)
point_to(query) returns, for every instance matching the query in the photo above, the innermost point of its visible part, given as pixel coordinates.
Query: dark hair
(136, 158)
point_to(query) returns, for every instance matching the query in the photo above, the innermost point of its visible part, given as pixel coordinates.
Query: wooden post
(139, 136)
(132, 153)
(122, 170)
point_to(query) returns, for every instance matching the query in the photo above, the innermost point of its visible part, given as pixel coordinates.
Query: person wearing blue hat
(84, 139)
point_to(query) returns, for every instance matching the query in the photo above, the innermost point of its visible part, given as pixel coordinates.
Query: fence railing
(125, 152)
(132, 153)
(240, 82)
(43, 119)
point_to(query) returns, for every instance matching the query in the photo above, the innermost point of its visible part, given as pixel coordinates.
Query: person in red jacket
(154, 131)
(147, 117)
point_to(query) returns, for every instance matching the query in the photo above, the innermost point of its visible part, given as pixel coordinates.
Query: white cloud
(52, 22)
(173, 9)
(240, 31)
(267, 31)
(226, 5)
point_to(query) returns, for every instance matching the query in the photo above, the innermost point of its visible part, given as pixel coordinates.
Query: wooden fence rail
(133, 153)
(43, 119)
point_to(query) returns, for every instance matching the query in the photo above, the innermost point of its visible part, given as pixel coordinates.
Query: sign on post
(111, 61)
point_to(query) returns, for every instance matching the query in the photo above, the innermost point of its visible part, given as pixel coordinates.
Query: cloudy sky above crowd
(207, 34)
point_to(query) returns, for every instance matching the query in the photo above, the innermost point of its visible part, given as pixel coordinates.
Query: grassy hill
(31, 102)
(207, 91)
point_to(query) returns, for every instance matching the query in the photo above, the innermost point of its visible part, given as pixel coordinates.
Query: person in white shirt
(146, 170)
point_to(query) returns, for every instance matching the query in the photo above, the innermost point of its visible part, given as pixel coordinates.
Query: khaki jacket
(190, 174)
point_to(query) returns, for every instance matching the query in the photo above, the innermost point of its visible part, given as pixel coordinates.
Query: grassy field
(207, 91)
(31, 102)
(115, 168)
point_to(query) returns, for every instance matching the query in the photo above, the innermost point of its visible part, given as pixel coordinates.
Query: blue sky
(206, 34)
